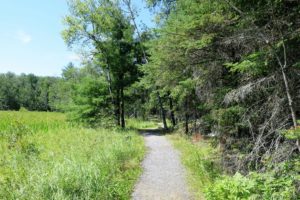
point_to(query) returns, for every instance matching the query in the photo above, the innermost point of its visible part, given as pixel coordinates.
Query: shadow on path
(154, 131)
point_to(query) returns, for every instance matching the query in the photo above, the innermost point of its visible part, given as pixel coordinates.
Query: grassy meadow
(42, 156)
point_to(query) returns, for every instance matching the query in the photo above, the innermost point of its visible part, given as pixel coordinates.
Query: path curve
(164, 176)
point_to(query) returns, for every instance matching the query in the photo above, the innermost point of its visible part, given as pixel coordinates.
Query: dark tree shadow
(156, 132)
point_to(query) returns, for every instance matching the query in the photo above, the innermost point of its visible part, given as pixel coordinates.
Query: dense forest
(225, 69)
(27, 91)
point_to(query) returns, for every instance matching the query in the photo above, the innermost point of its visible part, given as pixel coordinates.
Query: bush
(254, 186)
(229, 119)
(292, 134)
(205, 175)
(236, 187)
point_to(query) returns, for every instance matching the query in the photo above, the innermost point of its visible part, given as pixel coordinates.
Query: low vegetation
(201, 161)
(141, 124)
(209, 181)
(42, 156)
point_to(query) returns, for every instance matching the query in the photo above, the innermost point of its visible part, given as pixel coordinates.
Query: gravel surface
(163, 177)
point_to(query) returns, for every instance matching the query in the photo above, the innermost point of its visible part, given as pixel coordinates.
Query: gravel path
(163, 177)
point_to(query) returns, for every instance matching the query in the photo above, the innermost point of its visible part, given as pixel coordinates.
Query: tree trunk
(122, 108)
(163, 113)
(48, 108)
(290, 102)
(135, 113)
(128, 4)
(289, 97)
(172, 112)
(283, 66)
(117, 108)
(186, 118)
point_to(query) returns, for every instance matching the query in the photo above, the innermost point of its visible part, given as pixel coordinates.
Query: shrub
(236, 187)
(277, 185)
(278, 182)
(229, 119)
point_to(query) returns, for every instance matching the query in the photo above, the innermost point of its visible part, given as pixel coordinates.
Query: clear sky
(30, 40)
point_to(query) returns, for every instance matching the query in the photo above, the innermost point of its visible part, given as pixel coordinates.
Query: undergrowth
(208, 181)
(44, 157)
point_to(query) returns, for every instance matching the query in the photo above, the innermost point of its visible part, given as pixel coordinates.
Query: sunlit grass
(35, 121)
(133, 123)
(200, 160)
(44, 157)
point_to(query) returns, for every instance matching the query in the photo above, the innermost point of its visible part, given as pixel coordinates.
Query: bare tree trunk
(128, 4)
(195, 120)
(290, 102)
(163, 113)
(122, 114)
(283, 66)
(289, 97)
(109, 81)
(172, 115)
(186, 117)
(186, 123)
(117, 108)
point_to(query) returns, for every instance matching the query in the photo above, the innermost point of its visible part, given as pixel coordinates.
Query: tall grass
(44, 157)
(201, 160)
(134, 123)
(35, 121)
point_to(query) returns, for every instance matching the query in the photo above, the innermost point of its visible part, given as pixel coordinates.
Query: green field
(42, 156)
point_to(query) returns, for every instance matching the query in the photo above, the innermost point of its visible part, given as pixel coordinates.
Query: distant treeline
(28, 91)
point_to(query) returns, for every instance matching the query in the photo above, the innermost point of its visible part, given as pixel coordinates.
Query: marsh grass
(42, 156)
(35, 121)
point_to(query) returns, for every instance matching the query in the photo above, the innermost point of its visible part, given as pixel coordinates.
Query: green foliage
(183, 89)
(275, 184)
(107, 30)
(65, 163)
(229, 119)
(206, 177)
(11, 121)
(236, 187)
(27, 92)
(292, 134)
(92, 101)
(254, 64)
(133, 123)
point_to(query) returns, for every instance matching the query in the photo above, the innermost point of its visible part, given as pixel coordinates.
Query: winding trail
(164, 176)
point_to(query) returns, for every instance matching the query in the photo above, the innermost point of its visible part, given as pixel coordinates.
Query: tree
(103, 25)
(231, 68)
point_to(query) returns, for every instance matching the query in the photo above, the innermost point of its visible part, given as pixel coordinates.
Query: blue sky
(30, 40)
